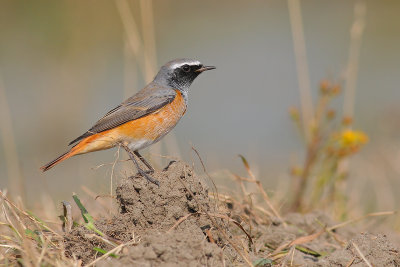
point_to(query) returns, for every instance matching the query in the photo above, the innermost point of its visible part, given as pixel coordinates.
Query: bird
(142, 119)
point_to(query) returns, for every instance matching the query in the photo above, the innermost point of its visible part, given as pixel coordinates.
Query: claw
(149, 178)
(140, 170)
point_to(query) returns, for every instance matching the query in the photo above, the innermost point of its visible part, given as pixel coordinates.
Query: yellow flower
(348, 142)
(350, 138)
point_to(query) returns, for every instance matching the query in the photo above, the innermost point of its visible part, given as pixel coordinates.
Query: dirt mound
(177, 224)
(150, 206)
(168, 220)
(321, 248)
(273, 240)
(187, 247)
(376, 249)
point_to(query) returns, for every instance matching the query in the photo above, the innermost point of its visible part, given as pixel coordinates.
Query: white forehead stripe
(191, 63)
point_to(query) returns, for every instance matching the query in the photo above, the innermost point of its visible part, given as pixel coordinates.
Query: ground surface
(178, 224)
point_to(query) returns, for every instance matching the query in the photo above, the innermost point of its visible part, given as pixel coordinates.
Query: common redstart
(142, 119)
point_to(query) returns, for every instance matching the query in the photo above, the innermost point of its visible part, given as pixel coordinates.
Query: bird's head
(180, 73)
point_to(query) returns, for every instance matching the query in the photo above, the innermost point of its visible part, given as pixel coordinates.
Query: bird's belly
(142, 132)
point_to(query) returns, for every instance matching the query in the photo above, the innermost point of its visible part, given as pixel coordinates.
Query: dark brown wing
(148, 100)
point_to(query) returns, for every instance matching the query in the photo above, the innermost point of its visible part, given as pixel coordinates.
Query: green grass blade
(86, 216)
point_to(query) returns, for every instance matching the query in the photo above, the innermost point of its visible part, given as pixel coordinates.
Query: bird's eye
(186, 68)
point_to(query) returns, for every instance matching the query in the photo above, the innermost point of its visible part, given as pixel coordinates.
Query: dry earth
(177, 224)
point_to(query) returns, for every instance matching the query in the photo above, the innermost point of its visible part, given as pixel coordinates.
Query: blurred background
(64, 64)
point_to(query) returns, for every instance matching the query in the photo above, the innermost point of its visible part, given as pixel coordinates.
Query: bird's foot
(149, 171)
(148, 177)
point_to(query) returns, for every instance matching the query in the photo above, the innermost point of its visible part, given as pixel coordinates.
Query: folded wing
(145, 102)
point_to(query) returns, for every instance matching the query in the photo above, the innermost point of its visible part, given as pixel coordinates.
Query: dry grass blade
(269, 214)
(356, 33)
(32, 218)
(42, 253)
(293, 250)
(130, 27)
(149, 42)
(290, 255)
(11, 246)
(374, 214)
(350, 262)
(361, 254)
(241, 184)
(227, 199)
(5, 237)
(114, 250)
(306, 239)
(234, 222)
(109, 163)
(178, 222)
(9, 223)
(21, 223)
(299, 44)
(261, 189)
(113, 242)
(67, 211)
(99, 198)
(268, 201)
(298, 241)
(209, 235)
(216, 225)
(104, 196)
(246, 165)
(112, 173)
(205, 171)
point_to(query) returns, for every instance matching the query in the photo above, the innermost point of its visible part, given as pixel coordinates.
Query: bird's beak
(204, 68)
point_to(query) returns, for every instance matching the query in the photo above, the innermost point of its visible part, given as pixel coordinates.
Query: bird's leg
(151, 169)
(140, 170)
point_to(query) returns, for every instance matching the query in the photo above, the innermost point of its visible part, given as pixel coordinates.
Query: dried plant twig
(67, 210)
(361, 255)
(297, 241)
(296, 23)
(248, 262)
(178, 222)
(374, 214)
(356, 32)
(261, 189)
(114, 250)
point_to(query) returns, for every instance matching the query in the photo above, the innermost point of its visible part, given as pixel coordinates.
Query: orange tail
(73, 151)
(63, 157)
(80, 148)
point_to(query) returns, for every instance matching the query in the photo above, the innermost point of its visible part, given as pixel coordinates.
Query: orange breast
(150, 128)
(156, 125)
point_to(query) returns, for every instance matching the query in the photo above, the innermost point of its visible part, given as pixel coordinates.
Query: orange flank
(148, 129)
